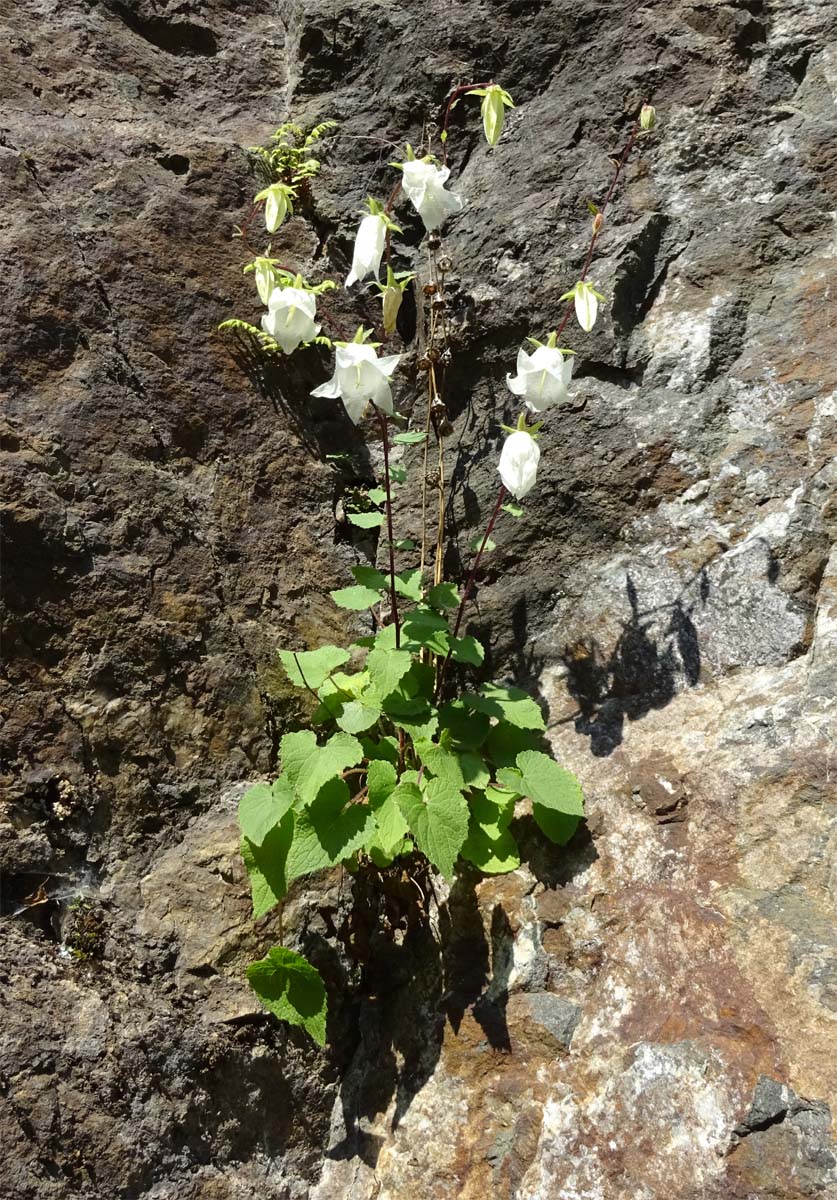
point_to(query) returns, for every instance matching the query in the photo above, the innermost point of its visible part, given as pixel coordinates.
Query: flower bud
(598, 222)
(391, 298)
(647, 117)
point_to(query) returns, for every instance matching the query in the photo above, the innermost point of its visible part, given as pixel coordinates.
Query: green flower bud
(647, 117)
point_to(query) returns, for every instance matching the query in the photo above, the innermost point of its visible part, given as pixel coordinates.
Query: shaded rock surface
(650, 1013)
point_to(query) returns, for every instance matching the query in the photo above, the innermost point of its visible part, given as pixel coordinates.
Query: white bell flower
(586, 300)
(290, 317)
(277, 204)
(360, 376)
(543, 377)
(424, 184)
(369, 248)
(518, 465)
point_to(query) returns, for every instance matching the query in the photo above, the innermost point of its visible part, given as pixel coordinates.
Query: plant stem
(501, 495)
(385, 435)
(629, 145)
(455, 94)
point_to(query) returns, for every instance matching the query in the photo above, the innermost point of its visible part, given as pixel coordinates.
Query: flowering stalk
(388, 483)
(452, 99)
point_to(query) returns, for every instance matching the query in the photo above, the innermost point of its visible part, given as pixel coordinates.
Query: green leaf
(262, 807)
(311, 668)
(510, 779)
(415, 717)
(507, 704)
(438, 821)
(514, 510)
(370, 577)
(328, 831)
(559, 827)
(549, 785)
(440, 763)
(355, 597)
(386, 669)
(419, 683)
(492, 810)
(474, 771)
(505, 742)
(366, 520)
(266, 865)
(476, 542)
(293, 990)
(469, 728)
(392, 827)
(377, 495)
(443, 595)
(493, 855)
(423, 627)
(405, 543)
(408, 583)
(411, 438)
(308, 766)
(468, 650)
(384, 857)
(384, 749)
(358, 715)
(398, 474)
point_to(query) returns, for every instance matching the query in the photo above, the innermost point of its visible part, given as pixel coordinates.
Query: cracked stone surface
(651, 1012)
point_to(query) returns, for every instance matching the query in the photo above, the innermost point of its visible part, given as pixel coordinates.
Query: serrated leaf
(371, 577)
(423, 627)
(507, 704)
(398, 474)
(493, 855)
(356, 598)
(419, 683)
(377, 495)
(504, 743)
(467, 650)
(328, 831)
(384, 749)
(549, 785)
(417, 719)
(408, 583)
(262, 807)
(308, 766)
(467, 727)
(366, 520)
(382, 857)
(410, 438)
(358, 715)
(311, 668)
(510, 779)
(267, 865)
(476, 542)
(514, 510)
(443, 595)
(440, 763)
(559, 827)
(381, 783)
(386, 669)
(474, 771)
(438, 820)
(492, 810)
(293, 990)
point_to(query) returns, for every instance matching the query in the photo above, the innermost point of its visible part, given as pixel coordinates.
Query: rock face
(651, 1012)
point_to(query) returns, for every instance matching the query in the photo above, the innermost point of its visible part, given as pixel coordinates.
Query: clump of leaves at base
(389, 772)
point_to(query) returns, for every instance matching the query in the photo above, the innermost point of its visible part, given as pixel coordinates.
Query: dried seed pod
(445, 264)
(430, 289)
(447, 357)
(424, 363)
(434, 241)
(433, 354)
(439, 303)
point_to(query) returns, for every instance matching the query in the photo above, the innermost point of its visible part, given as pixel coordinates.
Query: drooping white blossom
(495, 101)
(264, 273)
(290, 317)
(518, 465)
(360, 376)
(424, 184)
(543, 377)
(369, 248)
(278, 203)
(586, 300)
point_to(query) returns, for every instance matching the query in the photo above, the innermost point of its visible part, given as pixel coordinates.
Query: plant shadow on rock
(415, 975)
(640, 673)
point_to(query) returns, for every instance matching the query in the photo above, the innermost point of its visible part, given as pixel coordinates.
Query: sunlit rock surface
(649, 1014)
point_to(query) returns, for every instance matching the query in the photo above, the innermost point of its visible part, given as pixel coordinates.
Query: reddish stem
(501, 495)
(455, 94)
(385, 436)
